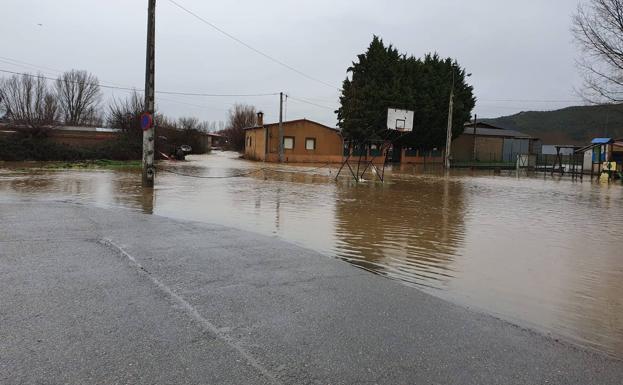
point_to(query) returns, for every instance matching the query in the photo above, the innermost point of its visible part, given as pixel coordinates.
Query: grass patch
(93, 164)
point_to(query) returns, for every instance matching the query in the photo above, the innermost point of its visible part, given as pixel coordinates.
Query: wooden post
(474, 146)
(281, 147)
(149, 135)
(449, 132)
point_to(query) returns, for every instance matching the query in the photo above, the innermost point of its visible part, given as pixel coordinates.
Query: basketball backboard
(400, 120)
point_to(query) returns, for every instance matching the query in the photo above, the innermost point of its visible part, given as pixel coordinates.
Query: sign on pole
(147, 121)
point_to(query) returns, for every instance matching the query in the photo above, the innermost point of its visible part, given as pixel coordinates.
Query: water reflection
(541, 252)
(390, 230)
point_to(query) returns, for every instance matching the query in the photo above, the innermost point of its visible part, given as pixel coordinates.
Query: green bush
(19, 148)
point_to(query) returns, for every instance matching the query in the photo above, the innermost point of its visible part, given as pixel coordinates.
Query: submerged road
(97, 296)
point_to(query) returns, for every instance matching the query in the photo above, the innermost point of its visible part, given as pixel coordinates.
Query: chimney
(260, 119)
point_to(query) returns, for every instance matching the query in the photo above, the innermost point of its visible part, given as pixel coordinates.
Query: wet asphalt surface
(101, 296)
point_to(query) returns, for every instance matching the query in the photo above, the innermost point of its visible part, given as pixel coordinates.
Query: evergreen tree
(383, 78)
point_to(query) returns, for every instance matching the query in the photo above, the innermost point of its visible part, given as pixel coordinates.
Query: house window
(288, 142)
(249, 141)
(310, 144)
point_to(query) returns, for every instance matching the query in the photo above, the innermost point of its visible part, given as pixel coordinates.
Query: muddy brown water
(540, 252)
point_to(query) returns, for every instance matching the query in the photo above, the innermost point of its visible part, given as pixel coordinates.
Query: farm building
(304, 141)
(482, 142)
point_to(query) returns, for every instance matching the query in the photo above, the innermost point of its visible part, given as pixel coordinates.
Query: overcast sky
(520, 53)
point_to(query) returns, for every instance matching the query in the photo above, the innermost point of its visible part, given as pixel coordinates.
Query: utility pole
(449, 132)
(281, 149)
(149, 133)
(474, 147)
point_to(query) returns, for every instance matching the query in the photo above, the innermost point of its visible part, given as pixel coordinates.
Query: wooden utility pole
(149, 134)
(281, 149)
(449, 132)
(474, 147)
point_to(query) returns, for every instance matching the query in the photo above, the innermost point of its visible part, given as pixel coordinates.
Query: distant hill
(572, 125)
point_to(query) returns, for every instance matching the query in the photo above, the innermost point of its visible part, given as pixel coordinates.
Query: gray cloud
(515, 50)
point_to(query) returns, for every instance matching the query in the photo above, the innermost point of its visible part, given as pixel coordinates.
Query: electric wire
(116, 86)
(25, 63)
(247, 45)
(140, 90)
(529, 100)
(311, 103)
(103, 83)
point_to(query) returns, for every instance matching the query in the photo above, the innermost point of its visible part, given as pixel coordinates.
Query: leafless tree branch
(29, 104)
(598, 29)
(79, 96)
(241, 116)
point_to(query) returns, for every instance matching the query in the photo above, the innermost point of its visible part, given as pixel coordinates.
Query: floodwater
(539, 252)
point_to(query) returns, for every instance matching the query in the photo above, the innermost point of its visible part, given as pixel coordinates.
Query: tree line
(33, 104)
(28, 101)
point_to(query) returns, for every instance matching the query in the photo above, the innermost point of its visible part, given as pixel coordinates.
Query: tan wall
(489, 149)
(463, 148)
(300, 158)
(328, 143)
(256, 151)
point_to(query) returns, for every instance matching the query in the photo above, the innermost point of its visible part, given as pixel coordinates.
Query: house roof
(293, 121)
(481, 131)
(483, 125)
(487, 129)
(601, 140)
(86, 129)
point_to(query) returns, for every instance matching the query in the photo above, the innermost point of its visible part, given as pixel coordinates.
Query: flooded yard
(543, 253)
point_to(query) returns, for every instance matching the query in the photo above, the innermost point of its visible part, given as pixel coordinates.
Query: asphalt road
(96, 296)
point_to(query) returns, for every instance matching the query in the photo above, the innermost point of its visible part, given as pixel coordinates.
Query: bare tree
(598, 28)
(188, 124)
(79, 96)
(126, 115)
(163, 121)
(204, 126)
(29, 104)
(241, 116)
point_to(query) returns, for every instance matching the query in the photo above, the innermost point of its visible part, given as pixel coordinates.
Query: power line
(131, 89)
(529, 100)
(267, 56)
(140, 90)
(201, 106)
(22, 63)
(311, 103)
(216, 95)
